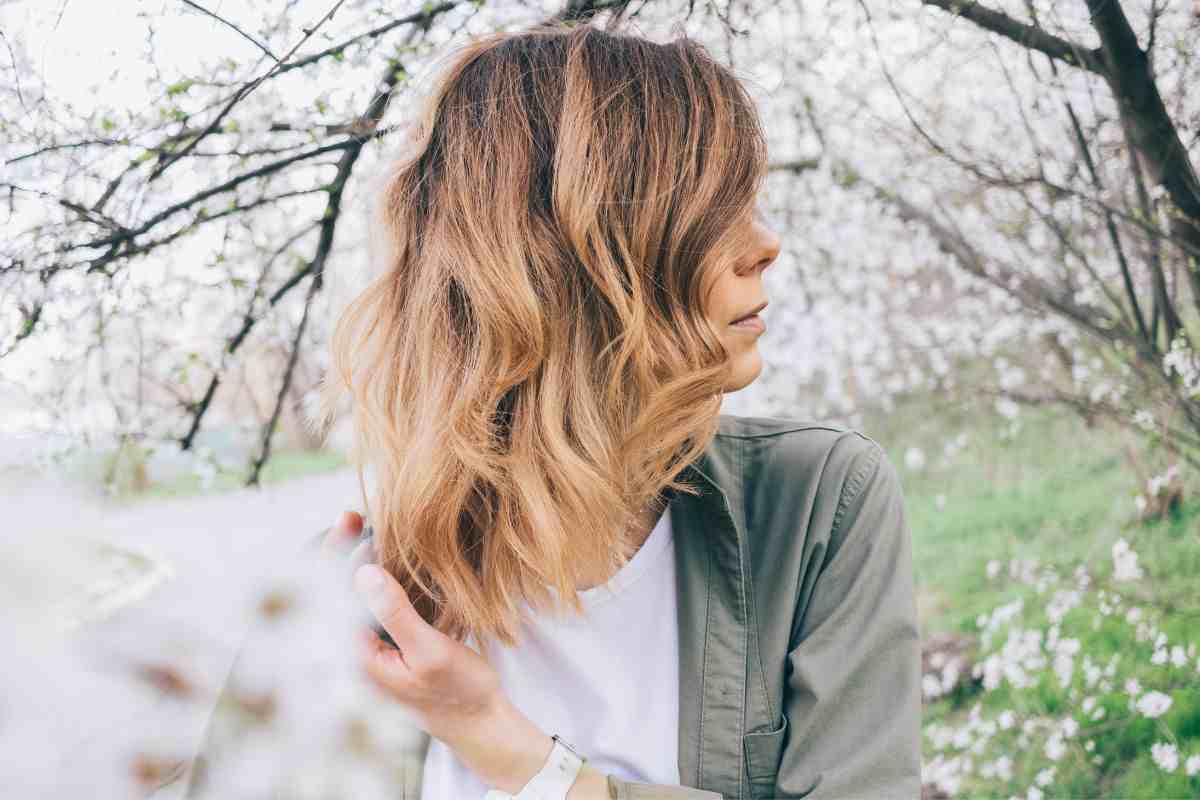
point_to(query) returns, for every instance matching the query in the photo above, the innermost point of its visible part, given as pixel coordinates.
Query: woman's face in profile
(739, 291)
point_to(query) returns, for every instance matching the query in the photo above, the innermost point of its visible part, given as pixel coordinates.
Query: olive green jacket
(799, 650)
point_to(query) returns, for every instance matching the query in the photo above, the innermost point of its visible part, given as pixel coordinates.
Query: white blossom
(1154, 704)
(1055, 748)
(914, 458)
(1165, 755)
(1178, 658)
(1125, 566)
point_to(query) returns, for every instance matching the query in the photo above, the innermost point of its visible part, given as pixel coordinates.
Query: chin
(745, 370)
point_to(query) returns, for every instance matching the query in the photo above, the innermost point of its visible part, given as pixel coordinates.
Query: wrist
(505, 749)
(590, 784)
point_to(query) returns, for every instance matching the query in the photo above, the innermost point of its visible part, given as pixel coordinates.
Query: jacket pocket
(763, 751)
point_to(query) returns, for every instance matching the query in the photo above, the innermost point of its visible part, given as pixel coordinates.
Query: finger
(383, 663)
(363, 553)
(388, 673)
(391, 607)
(342, 536)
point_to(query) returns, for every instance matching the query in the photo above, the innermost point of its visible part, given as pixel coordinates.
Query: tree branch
(1023, 34)
(236, 29)
(369, 119)
(239, 95)
(1128, 71)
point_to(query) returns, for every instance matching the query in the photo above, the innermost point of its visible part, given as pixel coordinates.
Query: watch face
(567, 745)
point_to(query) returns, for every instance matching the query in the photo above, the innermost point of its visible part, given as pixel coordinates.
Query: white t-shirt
(607, 682)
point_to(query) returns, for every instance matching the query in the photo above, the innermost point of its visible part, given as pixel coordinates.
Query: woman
(573, 282)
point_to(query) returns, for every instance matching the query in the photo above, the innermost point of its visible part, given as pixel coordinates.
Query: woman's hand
(454, 692)
(447, 684)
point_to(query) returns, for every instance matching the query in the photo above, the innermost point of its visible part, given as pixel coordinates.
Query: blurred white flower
(1045, 777)
(940, 501)
(1007, 408)
(1133, 687)
(1154, 704)
(1125, 566)
(993, 569)
(1165, 755)
(914, 458)
(1006, 719)
(1055, 748)
(1192, 765)
(1159, 657)
(1144, 419)
(1156, 483)
(1178, 658)
(1062, 602)
(1181, 359)
(1034, 793)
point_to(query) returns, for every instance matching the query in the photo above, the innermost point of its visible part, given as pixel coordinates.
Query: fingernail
(368, 578)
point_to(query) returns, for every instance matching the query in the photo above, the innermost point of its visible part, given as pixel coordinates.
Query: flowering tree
(989, 200)
(986, 201)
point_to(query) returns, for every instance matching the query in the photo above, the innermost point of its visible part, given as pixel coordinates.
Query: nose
(767, 245)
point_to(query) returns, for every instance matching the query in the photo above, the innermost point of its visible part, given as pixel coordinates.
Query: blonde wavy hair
(534, 367)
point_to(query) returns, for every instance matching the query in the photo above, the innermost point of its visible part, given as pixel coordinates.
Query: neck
(639, 531)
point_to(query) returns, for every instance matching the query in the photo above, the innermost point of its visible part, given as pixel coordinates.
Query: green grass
(1061, 494)
(282, 466)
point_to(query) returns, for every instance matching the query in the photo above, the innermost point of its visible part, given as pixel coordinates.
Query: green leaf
(179, 87)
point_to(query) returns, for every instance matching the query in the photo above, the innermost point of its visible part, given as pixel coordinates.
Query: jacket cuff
(619, 789)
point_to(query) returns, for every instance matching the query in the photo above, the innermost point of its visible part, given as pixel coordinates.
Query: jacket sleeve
(852, 697)
(620, 789)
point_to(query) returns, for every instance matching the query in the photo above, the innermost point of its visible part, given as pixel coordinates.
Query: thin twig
(241, 94)
(238, 30)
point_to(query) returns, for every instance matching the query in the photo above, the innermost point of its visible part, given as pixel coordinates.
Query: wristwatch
(554, 779)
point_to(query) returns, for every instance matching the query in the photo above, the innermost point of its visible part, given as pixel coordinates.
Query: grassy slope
(283, 465)
(1061, 494)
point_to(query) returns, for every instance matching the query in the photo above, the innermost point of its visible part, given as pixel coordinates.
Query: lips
(752, 312)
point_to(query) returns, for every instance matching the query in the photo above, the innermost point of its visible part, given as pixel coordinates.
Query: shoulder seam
(856, 481)
(768, 434)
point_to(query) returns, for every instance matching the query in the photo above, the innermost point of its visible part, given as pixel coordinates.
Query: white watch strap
(553, 780)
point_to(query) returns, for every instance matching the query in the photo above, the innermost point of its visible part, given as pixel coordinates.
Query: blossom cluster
(1045, 703)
